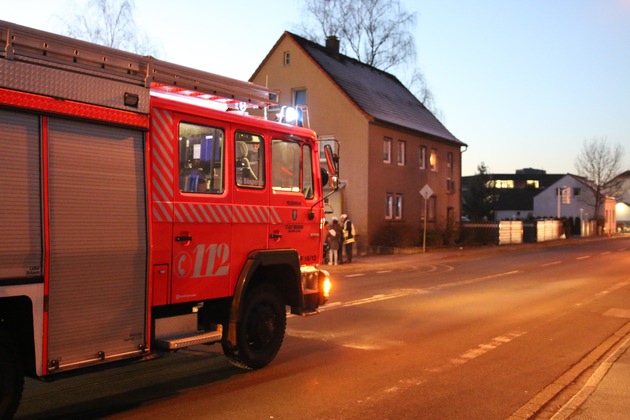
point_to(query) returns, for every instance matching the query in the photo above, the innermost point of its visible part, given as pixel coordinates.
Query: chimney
(332, 44)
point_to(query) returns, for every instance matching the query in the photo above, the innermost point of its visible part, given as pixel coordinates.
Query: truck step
(190, 339)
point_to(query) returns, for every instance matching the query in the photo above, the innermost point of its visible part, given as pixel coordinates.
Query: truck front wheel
(260, 331)
(11, 377)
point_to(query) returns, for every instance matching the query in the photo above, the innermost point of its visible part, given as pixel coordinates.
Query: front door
(293, 194)
(202, 215)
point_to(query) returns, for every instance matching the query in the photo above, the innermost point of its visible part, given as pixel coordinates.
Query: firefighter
(348, 237)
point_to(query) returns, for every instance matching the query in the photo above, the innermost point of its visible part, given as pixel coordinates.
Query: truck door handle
(183, 238)
(275, 235)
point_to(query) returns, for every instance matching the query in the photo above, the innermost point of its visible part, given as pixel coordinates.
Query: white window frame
(398, 206)
(389, 206)
(402, 153)
(422, 159)
(387, 150)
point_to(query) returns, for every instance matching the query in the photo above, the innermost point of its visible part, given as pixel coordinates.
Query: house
(391, 146)
(622, 209)
(572, 196)
(514, 193)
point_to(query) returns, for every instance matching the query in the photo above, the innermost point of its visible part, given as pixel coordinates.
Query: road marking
(551, 263)
(480, 350)
(583, 258)
(605, 252)
(354, 275)
(384, 271)
(603, 293)
(475, 280)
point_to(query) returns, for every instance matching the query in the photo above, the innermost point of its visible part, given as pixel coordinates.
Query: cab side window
(249, 160)
(292, 167)
(201, 159)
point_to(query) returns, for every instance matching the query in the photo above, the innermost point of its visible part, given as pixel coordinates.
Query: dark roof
(377, 93)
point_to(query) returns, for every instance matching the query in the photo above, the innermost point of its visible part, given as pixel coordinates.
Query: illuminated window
(502, 183)
(533, 183)
(387, 150)
(433, 164)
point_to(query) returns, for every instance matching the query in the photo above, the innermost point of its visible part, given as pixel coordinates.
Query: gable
(378, 94)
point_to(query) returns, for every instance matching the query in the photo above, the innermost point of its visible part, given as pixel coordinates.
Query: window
(433, 164)
(422, 161)
(389, 206)
(201, 152)
(533, 183)
(431, 208)
(299, 97)
(398, 198)
(401, 153)
(285, 165)
(307, 172)
(393, 206)
(576, 191)
(449, 164)
(502, 183)
(287, 58)
(387, 150)
(249, 164)
(292, 167)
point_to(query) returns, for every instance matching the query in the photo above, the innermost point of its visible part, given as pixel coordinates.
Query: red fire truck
(142, 210)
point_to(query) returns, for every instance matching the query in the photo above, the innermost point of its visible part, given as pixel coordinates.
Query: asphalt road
(502, 333)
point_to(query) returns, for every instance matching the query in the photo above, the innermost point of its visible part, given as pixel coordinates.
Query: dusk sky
(523, 82)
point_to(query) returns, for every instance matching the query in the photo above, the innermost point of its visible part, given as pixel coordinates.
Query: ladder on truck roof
(39, 48)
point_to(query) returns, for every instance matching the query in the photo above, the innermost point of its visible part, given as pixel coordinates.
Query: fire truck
(143, 209)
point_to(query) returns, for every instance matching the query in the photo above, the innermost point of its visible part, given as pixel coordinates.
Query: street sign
(426, 192)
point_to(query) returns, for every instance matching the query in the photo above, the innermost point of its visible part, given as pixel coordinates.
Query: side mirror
(332, 160)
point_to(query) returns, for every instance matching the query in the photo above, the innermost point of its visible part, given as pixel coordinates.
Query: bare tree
(109, 23)
(598, 162)
(375, 32)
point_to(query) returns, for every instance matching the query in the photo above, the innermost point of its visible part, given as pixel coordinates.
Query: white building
(573, 196)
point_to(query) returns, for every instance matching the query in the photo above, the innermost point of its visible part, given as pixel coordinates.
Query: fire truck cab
(143, 210)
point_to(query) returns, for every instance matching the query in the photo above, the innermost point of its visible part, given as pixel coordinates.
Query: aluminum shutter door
(98, 243)
(20, 202)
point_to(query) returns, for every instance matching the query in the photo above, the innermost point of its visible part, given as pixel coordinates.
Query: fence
(516, 231)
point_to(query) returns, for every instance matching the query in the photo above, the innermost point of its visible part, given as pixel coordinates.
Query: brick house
(391, 146)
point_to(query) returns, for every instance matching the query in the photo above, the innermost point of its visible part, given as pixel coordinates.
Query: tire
(260, 331)
(11, 377)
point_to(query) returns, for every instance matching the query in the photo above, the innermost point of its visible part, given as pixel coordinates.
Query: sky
(524, 83)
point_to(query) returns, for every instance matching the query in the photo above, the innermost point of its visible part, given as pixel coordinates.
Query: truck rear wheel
(11, 377)
(260, 331)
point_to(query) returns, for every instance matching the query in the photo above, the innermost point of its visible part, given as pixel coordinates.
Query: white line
(384, 271)
(583, 258)
(605, 252)
(551, 263)
(355, 275)
(475, 280)
(478, 351)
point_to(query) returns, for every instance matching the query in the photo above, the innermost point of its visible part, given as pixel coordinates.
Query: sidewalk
(605, 396)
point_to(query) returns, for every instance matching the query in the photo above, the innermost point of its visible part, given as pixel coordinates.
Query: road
(502, 333)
